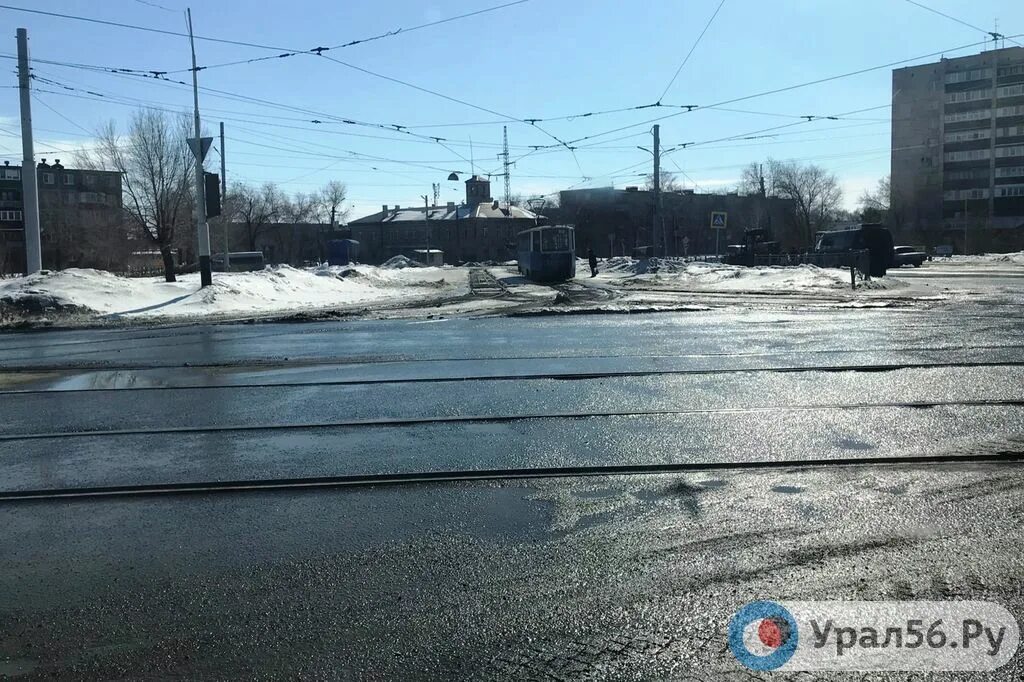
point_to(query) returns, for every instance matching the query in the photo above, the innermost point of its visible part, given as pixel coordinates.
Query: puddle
(16, 666)
(854, 444)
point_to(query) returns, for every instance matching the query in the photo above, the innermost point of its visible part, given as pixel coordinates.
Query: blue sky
(537, 59)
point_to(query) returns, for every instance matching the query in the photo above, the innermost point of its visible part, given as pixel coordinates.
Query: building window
(69, 179)
(71, 197)
(47, 178)
(1010, 172)
(968, 135)
(961, 194)
(89, 179)
(971, 174)
(1012, 70)
(1011, 111)
(972, 75)
(968, 155)
(1010, 131)
(1010, 191)
(1011, 90)
(10, 216)
(1011, 150)
(10, 174)
(969, 95)
(975, 115)
(9, 195)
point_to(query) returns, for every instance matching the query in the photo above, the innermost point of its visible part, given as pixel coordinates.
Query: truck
(874, 238)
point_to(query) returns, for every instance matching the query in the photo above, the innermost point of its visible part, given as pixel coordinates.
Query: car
(909, 255)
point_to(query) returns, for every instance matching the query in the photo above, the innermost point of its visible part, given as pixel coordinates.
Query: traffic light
(212, 195)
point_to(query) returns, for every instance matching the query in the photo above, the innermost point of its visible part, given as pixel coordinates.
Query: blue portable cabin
(547, 253)
(342, 251)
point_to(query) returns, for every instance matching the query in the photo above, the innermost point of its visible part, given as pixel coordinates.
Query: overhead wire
(994, 34)
(692, 48)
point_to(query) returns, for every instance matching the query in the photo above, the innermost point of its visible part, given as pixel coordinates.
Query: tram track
(518, 376)
(504, 418)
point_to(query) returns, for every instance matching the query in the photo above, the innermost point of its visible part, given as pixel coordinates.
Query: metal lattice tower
(508, 165)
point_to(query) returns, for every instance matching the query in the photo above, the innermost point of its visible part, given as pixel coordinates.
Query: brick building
(79, 214)
(615, 221)
(477, 230)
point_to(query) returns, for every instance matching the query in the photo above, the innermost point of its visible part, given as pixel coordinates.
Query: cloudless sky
(537, 59)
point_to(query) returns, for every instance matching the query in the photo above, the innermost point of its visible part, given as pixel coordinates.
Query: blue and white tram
(548, 253)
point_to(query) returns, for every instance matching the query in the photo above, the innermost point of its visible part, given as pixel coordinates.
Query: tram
(547, 253)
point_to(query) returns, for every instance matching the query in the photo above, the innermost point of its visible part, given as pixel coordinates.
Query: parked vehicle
(547, 253)
(756, 242)
(909, 255)
(871, 237)
(241, 261)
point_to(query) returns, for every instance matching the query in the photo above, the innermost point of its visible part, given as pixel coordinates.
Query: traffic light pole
(202, 228)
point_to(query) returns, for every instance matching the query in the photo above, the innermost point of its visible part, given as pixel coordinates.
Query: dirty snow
(675, 273)
(275, 289)
(1015, 258)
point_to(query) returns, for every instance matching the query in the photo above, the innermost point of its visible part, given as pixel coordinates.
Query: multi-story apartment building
(958, 151)
(79, 214)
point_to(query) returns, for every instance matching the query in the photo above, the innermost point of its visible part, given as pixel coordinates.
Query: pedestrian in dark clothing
(593, 262)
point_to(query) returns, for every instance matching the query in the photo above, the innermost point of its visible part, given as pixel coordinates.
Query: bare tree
(329, 202)
(156, 168)
(760, 178)
(668, 182)
(815, 193)
(875, 204)
(255, 208)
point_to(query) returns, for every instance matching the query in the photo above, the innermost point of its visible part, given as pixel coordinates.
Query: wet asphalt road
(606, 576)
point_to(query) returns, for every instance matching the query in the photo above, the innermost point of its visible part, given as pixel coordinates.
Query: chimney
(396, 207)
(384, 209)
(42, 164)
(451, 206)
(56, 163)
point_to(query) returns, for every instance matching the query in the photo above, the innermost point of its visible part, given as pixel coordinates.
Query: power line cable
(43, 102)
(994, 34)
(692, 48)
(784, 89)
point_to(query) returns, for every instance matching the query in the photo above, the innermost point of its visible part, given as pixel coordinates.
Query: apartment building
(958, 151)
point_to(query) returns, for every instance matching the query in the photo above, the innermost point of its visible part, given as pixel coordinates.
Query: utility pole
(508, 166)
(426, 223)
(202, 228)
(657, 186)
(965, 226)
(223, 200)
(29, 179)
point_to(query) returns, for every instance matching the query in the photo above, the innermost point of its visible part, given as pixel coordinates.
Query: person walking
(592, 259)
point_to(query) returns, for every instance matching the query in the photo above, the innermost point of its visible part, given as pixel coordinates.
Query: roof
(415, 214)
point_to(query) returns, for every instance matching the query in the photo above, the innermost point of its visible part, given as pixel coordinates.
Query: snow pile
(677, 273)
(1015, 258)
(397, 262)
(275, 289)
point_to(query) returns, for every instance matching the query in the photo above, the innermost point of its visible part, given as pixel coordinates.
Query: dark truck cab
(909, 255)
(871, 237)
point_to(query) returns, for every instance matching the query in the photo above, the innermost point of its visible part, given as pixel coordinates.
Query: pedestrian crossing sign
(718, 220)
